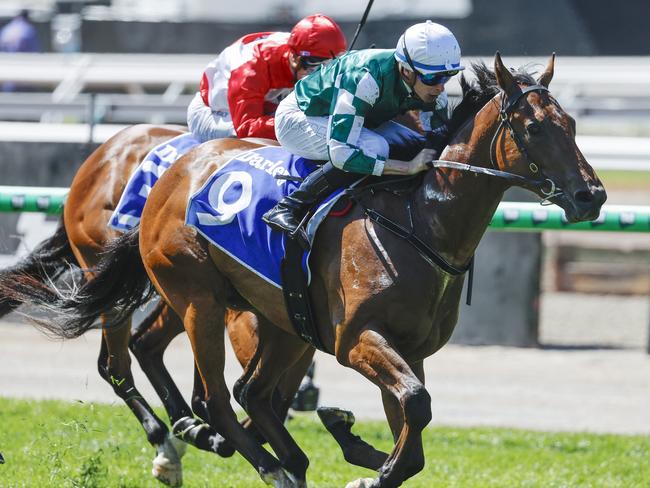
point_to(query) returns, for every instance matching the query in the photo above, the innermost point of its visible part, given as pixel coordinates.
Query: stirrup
(299, 234)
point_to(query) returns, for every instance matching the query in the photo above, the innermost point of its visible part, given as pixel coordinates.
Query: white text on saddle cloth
(258, 161)
(167, 153)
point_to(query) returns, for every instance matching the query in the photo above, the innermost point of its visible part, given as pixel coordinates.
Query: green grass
(58, 444)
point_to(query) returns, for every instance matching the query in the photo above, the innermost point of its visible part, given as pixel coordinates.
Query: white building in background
(256, 10)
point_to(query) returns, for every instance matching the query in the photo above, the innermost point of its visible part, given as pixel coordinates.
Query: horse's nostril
(583, 196)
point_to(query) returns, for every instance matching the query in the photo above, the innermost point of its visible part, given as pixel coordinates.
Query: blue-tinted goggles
(432, 79)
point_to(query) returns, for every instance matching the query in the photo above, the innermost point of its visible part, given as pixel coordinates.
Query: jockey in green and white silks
(343, 114)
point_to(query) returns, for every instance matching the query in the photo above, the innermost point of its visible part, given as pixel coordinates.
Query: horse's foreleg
(377, 360)
(114, 366)
(356, 451)
(394, 414)
(257, 392)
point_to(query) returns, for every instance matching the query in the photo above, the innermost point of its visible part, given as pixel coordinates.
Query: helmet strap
(415, 72)
(408, 57)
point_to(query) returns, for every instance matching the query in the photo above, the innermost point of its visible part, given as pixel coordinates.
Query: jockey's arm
(247, 88)
(352, 102)
(355, 95)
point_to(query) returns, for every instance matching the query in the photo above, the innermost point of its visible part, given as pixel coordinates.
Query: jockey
(342, 114)
(241, 88)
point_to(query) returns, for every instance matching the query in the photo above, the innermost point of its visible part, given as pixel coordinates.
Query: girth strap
(427, 253)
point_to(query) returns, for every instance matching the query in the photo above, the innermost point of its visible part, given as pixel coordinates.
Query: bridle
(508, 102)
(544, 185)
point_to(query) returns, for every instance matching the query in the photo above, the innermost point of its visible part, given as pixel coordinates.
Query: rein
(511, 177)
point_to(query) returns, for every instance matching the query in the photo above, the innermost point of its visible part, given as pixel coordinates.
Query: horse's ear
(546, 77)
(504, 78)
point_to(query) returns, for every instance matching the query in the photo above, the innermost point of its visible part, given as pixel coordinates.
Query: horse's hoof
(331, 416)
(221, 446)
(281, 479)
(361, 483)
(296, 482)
(166, 472)
(167, 467)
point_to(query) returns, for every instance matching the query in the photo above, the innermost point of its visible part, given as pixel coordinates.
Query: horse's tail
(118, 287)
(24, 281)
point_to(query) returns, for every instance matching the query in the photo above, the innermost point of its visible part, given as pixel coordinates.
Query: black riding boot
(289, 212)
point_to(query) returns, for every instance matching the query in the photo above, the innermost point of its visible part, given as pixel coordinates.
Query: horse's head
(536, 139)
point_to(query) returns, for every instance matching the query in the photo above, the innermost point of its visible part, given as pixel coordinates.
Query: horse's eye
(533, 128)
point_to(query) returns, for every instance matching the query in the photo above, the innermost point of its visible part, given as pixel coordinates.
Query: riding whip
(362, 22)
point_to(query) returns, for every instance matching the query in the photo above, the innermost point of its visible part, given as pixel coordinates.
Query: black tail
(47, 262)
(119, 285)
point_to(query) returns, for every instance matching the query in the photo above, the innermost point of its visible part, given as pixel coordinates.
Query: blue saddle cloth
(228, 208)
(129, 209)
(403, 142)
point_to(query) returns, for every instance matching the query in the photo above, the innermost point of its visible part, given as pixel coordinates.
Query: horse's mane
(476, 93)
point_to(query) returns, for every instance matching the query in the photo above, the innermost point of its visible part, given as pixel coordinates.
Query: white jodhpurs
(206, 124)
(306, 135)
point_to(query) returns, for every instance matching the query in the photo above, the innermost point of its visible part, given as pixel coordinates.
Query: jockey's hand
(421, 161)
(417, 164)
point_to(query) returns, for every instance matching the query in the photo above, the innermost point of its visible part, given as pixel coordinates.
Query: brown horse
(377, 307)
(81, 238)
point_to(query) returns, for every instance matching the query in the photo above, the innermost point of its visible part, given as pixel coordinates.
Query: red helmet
(317, 36)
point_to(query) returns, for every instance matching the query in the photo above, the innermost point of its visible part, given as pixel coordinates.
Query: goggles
(430, 79)
(312, 61)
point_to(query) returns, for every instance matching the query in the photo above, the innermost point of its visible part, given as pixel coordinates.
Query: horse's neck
(456, 207)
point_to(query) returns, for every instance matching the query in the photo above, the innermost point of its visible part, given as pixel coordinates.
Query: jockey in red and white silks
(243, 86)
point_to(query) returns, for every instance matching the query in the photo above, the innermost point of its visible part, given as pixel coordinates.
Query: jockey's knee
(206, 124)
(338, 164)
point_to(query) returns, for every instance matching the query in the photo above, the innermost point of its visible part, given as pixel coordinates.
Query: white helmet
(430, 47)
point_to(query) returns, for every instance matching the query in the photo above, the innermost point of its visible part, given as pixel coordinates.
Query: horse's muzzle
(585, 204)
